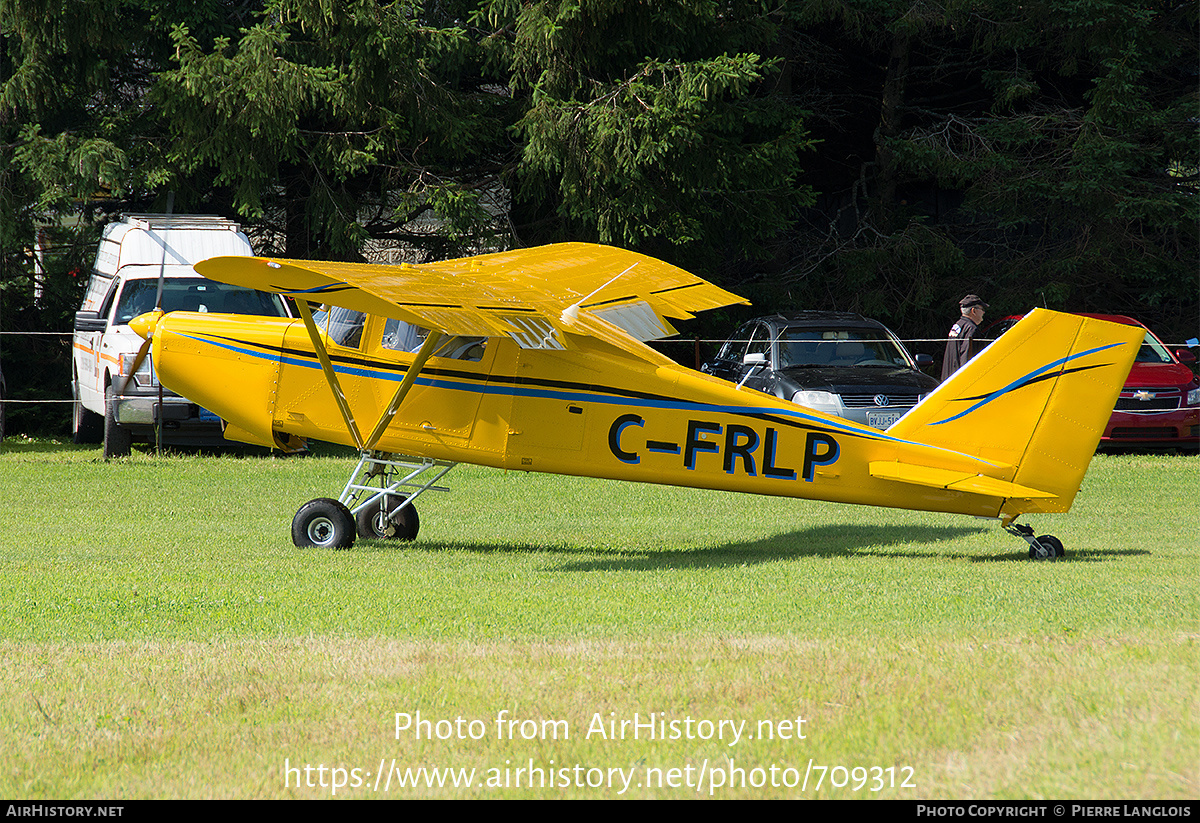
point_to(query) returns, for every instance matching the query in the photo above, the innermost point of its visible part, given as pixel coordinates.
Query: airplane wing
(535, 296)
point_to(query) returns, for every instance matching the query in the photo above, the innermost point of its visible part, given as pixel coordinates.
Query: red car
(1160, 403)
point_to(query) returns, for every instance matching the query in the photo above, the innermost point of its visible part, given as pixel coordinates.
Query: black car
(837, 363)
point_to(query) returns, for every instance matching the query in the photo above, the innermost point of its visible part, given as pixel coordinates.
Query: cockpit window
(401, 336)
(343, 327)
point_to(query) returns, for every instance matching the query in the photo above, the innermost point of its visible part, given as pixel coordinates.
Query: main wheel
(118, 442)
(1052, 544)
(372, 520)
(323, 523)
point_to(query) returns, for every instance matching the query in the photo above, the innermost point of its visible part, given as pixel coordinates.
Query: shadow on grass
(821, 541)
(20, 444)
(1088, 556)
(1186, 447)
(849, 541)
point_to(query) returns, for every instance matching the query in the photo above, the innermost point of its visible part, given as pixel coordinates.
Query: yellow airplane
(535, 360)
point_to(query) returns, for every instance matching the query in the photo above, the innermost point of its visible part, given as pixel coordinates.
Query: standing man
(958, 347)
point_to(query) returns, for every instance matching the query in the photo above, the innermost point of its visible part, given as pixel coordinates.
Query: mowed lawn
(563, 638)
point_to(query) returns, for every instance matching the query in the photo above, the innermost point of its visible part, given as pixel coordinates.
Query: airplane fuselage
(608, 414)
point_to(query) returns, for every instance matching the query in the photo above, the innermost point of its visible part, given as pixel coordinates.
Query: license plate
(881, 420)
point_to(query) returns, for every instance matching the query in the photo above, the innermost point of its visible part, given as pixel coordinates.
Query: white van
(124, 283)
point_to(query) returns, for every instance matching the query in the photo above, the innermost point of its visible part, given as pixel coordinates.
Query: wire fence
(1194, 342)
(695, 342)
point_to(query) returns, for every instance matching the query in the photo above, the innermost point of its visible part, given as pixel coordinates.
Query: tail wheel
(1052, 548)
(373, 520)
(323, 523)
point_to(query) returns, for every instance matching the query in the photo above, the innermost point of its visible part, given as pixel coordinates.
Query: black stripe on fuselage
(535, 382)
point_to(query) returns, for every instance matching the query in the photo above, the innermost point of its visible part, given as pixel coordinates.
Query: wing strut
(330, 374)
(427, 349)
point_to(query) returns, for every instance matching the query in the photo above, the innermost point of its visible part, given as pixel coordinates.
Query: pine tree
(333, 123)
(666, 127)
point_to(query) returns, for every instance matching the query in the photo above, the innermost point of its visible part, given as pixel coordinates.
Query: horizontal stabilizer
(952, 480)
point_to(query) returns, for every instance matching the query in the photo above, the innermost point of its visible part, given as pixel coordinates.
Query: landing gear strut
(377, 502)
(1046, 547)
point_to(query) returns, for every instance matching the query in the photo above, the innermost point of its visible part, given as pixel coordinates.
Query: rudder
(1037, 400)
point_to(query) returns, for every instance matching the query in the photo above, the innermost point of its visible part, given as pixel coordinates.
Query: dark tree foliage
(664, 127)
(333, 123)
(76, 141)
(1038, 153)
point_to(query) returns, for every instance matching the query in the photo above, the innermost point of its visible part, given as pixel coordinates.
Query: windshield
(195, 294)
(840, 347)
(1153, 351)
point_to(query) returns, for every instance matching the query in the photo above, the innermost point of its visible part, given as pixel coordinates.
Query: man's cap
(971, 301)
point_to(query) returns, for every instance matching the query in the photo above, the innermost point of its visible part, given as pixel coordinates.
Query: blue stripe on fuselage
(557, 394)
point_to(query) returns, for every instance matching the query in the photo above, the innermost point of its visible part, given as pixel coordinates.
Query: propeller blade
(144, 325)
(137, 363)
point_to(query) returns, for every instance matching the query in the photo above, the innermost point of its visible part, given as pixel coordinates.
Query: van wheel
(86, 425)
(118, 441)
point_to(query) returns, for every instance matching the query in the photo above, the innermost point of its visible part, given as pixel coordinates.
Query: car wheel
(118, 441)
(86, 425)
(323, 523)
(373, 522)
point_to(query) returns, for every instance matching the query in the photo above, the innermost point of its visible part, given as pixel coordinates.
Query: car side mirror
(754, 360)
(1185, 357)
(89, 321)
(924, 360)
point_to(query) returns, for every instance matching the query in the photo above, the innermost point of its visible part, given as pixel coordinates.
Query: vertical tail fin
(1037, 399)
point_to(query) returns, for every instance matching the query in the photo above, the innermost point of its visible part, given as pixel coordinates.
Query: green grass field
(162, 637)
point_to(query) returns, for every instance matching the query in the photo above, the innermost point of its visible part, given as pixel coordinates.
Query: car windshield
(195, 294)
(1153, 351)
(839, 347)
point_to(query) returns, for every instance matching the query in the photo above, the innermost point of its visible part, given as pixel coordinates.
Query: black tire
(118, 442)
(323, 523)
(402, 525)
(86, 425)
(1053, 544)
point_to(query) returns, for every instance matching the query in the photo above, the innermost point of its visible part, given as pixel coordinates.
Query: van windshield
(195, 294)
